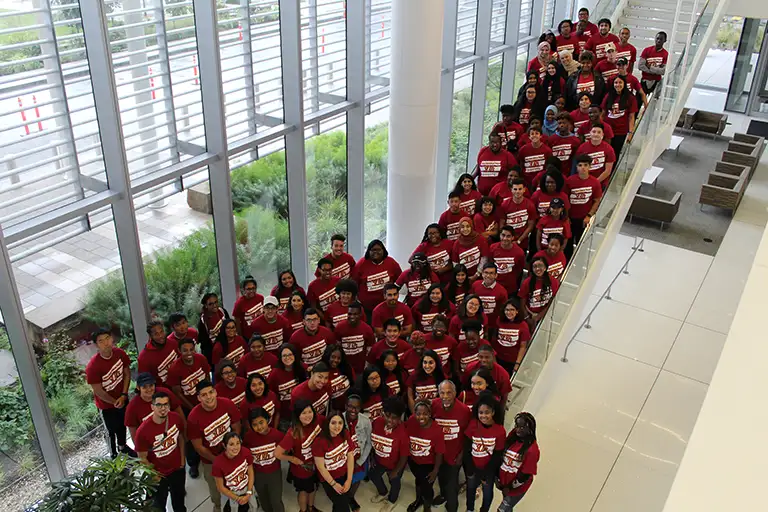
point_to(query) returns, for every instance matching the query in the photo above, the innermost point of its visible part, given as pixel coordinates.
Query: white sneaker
(378, 498)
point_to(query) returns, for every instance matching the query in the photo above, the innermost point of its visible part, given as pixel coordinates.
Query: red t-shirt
(586, 128)
(607, 69)
(109, 373)
(443, 347)
(512, 463)
(455, 326)
(564, 148)
(654, 59)
(410, 361)
(585, 83)
(452, 424)
(568, 43)
(355, 341)
(601, 154)
(629, 52)
(157, 360)
(320, 398)
(499, 374)
(423, 388)
(393, 384)
(467, 355)
(312, 346)
(425, 443)
(282, 383)
(579, 119)
(508, 339)
(535, 65)
(246, 311)
(493, 168)
(400, 348)
(534, 299)
(518, 215)
(321, 293)
(618, 117)
(484, 441)
(500, 192)
(493, 299)
(372, 277)
(415, 285)
(188, 376)
(468, 202)
(437, 256)
(342, 266)
(337, 313)
(449, 221)
(262, 447)
(264, 366)
(389, 446)
(509, 265)
(470, 255)
(508, 132)
(275, 333)
(483, 222)
(632, 83)
(340, 385)
(294, 318)
(555, 264)
(384, 312)
(191, 334)
(233, 471)
(532, 160)
(423, 321)
(161, 443)
(541, 201)
(236, 394)
(525, 140)
(373, 406)
(334, 453)
(548, 225)
(210, 426)
(236, 349)
(582, 194)
(598, 43)
(301, 447)
(283, 295)
(268, 401)
(137, 410)
(583, 38)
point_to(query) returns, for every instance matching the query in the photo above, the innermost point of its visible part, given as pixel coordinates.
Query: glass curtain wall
(155, 150)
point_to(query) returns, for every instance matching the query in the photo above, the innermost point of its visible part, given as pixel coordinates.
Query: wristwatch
(249, 493)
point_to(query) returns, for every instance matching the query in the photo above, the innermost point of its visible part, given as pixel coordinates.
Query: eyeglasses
(163, 406)
(227, 372)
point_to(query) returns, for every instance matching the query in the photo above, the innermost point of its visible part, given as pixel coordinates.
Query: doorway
(747, 92)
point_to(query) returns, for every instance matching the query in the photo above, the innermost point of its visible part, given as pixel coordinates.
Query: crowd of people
(372, 369)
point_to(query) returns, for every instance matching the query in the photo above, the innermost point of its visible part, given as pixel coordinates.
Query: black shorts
(305, 484)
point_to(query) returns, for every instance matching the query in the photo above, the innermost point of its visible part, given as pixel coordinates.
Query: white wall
(748, 8)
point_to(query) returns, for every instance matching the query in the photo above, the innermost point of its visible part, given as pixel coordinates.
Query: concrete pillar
(413, 105)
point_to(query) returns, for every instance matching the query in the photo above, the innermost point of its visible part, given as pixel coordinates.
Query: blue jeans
(509, 502)
(376, 475)
(473, 482)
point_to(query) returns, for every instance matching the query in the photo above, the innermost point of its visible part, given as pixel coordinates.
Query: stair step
(649, 33)
(658, 23)
(664, 4)
(658, 12)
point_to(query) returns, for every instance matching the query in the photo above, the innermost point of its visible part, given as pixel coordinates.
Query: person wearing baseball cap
(633, 84)
(140, 407)
(607, 67)
(417, 279)
(555, 221)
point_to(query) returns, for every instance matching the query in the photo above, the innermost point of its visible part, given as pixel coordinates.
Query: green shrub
(15, 422)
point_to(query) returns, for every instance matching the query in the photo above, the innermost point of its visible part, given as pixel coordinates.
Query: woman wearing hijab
(470, 249)
(539, 63)
(549, 127)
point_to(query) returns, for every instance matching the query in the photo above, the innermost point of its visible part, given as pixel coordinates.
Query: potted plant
(107, 485)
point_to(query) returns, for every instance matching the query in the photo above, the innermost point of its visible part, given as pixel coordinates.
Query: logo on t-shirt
(264, 455)
(490, 168)
(311, 354)
(339, 385)
(284, 390)
(470, 258)
(420, 447)
(253, 313)
(374, 410)
(534, 164)
(188, 384)
(337, 458)
(539, 300)
(504, 265)
(580, 195)
(452, 232)
(483, 446)
(164, 444)
(426, 392)
(598, 160)
(511, 462)
(114, 377)
(162, 368)
(508, 337)
(342, 271)
(273, 340)
(214, 432)
(418, 287)
(352, 345)
(615, 112)
(450, 428)
(327, 298)
(377, 281)
(237, 480)
(439, 259)
(562, 151)
(382, 445)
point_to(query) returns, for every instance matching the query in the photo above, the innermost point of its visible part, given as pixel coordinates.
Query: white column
(414, 94)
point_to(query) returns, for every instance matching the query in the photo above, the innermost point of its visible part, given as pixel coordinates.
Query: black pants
(193, 458)
(240, 508)
(617, 143)
(341, 502)
(173, 483)
(376, 475)
(577, 230)
(507, 365)
(424, 491)
(648, 89)
(114, 421)
(448, 478)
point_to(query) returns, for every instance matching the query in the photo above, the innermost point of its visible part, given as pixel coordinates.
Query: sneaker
(439, 501)
(378, 498)
(387, 507)
(414, 506)
(194, 472)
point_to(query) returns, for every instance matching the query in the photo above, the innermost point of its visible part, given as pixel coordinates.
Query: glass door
(747, 63)
(758, 104)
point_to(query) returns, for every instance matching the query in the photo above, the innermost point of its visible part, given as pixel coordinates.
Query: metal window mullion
(165, 66)
(356, 78)
(26, 365)
(561, 10)
(450, 20)
(107, 107)
(314, 61)
(480, 78)
(537, 23)
(511, 37)
(295, 157)
(216, 143)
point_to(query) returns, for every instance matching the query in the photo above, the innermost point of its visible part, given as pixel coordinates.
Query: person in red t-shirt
(607, 67)
(355, 337)
(529, 106)
(109, 375)
(580, 116)
(584, 193)
(491, 293)
(620, 106)
(392, 308)
(453, 417)
(391, 447)
(159, 353)
(286, 285)
(564, 143)
(294, 314)
(435, 302)
(372, 272)
(316, 389)
(334, 456)
(343, 263)
(285, 376)
(183, 376)
(271, 327)
(485, 438)
(468, 193)
(392, 340)
(519, 461)
(211, 320)
(258, 395)
(555, 221)
(553, 253)
(341, 376)
(512, 336)
(470, 249)
(508, 128)
(180, 328)
(337, 311)
(207, 425)
(625, 50)
(552, 183)
(466, 351)
(139, 409)
(493, 164)
(486, 358)
(441, 343)
(159, 442)
(479, 380)
(596, 117)
(437, 247)
(248, 307)
(633, 84)
(257, 360)
(598, 43)
(416, 279)
(427, 447)
(501, 191)
(586, 79)
(233, 473)
(262, 440)
(532, 156)
(519, 213)
(591, 29)
(539, 63)
(537, 291)
(509, 259)
(426, 376)
(229, 345)
(449, 219)
(602, 156)
(653, 63)
(486, 220)
(470, 310)
(322, 291)
(312, 339)
(566, 40)
(228, 383)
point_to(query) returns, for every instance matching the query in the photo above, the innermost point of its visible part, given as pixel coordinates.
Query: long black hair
(370, 246)
(249, 396)
(554, 82)
(298, 369)
(298, 408)
(437, 375)
(303, 297)
(280, 286)
(326, 428)
(453, 285)
(425, 272)
(557, 175)
(438, 227)
(461, 311)
(527, 441)
(222, 336)
(537, 107)
(546, 282)
(398, 373)
(612, 95)
(487, 376)
(521, 91)
(365, 389)
(487, 398)
(344, 367)
(425, 303)
(458, 188)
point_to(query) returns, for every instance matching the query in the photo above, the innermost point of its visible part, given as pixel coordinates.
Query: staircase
(645, 18)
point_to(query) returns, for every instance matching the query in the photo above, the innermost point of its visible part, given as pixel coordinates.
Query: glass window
(376, 162)
(462, 107)
(466, 28)
(745, 59)
(492, 95)
(498, 22)
(521, 67)
(379, 39)
(526, 16)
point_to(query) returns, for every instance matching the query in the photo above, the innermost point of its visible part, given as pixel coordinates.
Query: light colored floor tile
(648, 341)
(718, 298)
(695, 353)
